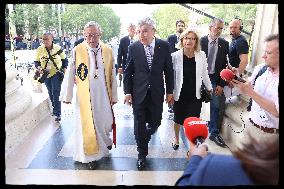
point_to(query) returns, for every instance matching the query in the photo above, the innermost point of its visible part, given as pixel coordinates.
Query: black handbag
(205, 94)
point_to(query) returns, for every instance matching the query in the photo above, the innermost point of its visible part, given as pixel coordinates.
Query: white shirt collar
(93, 49)
(210, 39)
(152, 44)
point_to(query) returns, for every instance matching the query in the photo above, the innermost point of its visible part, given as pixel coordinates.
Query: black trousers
(147, 116)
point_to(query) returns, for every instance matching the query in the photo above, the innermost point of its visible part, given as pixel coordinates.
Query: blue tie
(149, 56)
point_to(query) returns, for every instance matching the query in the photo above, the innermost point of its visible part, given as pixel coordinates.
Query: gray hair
(215, 21)
(147, 21)
(93, 23)
(48, 34)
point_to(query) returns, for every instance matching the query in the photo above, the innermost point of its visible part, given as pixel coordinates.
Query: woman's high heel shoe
(175, 146)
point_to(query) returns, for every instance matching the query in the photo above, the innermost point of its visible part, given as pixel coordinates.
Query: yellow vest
(83, 91)
(42, 57)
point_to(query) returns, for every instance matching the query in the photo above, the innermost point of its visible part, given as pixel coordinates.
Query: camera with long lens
(41, 77)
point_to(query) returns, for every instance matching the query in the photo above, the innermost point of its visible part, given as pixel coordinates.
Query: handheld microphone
(195, 130)
(228, 75)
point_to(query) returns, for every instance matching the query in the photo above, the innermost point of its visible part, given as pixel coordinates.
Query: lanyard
(96, 76)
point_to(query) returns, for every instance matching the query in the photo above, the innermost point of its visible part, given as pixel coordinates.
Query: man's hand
(170, 99)
(120, 70)
(218, 90)
(202, 150)
(128, 99)
(245, 88)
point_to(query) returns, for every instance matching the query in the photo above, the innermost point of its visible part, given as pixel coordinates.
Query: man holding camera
(51, 64)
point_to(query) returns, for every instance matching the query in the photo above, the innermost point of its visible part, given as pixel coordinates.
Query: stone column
(266, 23)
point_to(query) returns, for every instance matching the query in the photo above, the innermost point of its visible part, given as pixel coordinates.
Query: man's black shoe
(221, 140)
(216, 140)
(140, 163)
(57, 119)
(109, 147)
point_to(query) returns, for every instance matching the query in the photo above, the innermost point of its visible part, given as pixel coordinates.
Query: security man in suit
(123, 47)
(148, 63)
(174, 38)
(216, 49)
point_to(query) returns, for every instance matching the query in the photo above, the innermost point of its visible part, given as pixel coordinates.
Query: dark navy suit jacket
(214, 170)
(172, 40)
(221, 57)
(122, 52)
(138, 76)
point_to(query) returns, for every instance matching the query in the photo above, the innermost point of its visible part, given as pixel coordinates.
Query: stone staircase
(24, 109)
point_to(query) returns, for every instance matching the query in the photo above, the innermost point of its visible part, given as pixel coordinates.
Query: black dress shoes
(216, 139)
(141, 163)
(221, 140)
(109, 147)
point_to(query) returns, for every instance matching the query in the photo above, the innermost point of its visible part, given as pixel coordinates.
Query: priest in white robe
(93, 71)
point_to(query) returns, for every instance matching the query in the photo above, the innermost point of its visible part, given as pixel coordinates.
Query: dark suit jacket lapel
(156, 50)
(220, 47)
(127, 41)
(143, 54)
(206, 45)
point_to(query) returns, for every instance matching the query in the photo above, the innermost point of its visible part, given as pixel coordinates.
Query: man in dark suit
(123, 48)
(78, 42)
(148, 63)
(174, 38)
(216, 49)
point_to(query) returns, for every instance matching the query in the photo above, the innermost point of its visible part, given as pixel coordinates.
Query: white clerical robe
(101, 107)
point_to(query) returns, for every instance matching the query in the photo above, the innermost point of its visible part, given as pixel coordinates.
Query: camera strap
(51, 58)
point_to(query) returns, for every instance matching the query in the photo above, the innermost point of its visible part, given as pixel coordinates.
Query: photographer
(51, 64)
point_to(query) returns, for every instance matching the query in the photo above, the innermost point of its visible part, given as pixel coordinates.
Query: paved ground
(45, 157)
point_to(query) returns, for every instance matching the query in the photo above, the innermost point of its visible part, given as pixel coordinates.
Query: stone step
(19, 128)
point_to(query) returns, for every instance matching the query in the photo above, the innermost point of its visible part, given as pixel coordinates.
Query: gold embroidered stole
(90, 143)
(83, 90)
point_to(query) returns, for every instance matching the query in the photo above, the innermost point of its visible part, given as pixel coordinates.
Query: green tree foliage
(76, 16)
(18, 19)
(246, 12)
(49, 17)
(35, 18)
(166, 16)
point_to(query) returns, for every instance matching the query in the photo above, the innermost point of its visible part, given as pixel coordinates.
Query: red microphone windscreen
(195, 127)
(227, 75)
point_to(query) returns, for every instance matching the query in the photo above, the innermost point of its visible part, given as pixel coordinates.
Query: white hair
(93, 23)
(147, 21)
